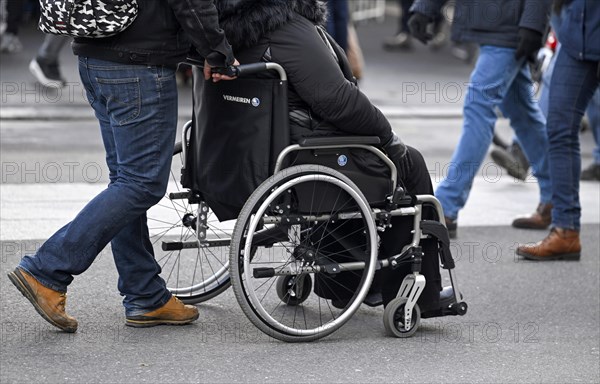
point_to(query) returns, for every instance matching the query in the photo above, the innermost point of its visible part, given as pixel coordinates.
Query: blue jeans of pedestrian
(136, 106)
(592, 111)
(498, 80)
(337, 22)
(573, 85)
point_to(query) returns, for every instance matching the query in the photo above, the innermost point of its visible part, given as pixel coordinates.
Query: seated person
(323, 101)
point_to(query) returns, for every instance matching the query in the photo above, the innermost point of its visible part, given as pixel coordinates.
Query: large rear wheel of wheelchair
(194, 271)
(394, 318)
(306, 222)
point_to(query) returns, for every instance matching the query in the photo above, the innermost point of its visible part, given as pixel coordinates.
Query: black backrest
(239, 129)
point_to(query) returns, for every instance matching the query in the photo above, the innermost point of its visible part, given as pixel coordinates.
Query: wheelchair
(302, 250)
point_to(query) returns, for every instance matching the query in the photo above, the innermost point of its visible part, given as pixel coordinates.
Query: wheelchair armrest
(339, 140)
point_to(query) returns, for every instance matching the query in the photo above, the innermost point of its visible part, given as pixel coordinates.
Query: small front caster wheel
(294, 290)
(459, 308)
(394, 318)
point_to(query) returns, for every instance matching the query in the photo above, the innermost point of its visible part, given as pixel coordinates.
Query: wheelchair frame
(376, 219)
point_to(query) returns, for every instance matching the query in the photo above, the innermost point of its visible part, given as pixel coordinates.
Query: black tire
(315, 197)
(288, 289)
(197, 274)
(393, 318)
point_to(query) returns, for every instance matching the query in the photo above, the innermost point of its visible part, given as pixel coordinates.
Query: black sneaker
(446, 299)
(10, 43)
(47, 73)
(591, 173)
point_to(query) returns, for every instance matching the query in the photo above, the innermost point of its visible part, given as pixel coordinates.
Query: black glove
(530, 41)
(398, 153)
(217, 60)
(418, 27)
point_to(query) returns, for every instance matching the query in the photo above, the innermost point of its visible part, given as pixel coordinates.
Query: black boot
(446, 299)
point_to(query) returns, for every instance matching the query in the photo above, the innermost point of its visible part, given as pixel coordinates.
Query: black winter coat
(491, 22)
(284, 32)
(161, 35)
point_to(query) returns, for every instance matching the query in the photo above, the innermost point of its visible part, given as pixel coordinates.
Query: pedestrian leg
(494, 72)
(573, 85)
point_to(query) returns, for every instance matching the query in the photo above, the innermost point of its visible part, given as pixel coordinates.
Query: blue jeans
(498, 80)
(337, 22)
(136, 106)
(593, 109)
(573, 85)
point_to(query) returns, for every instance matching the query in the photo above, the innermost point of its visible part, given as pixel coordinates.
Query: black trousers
(14, 14)
(343, 286)
(395, 238)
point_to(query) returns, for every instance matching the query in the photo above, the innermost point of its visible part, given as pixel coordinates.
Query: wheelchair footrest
(456, 309)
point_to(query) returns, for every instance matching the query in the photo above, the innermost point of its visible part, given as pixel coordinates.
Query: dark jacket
(284, 32)
(161, 35)
(579, 32)
(491, 22)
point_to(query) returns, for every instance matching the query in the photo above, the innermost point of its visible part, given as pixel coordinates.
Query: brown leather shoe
(49, 303)
(560, 244)
(174, 312)
(540, 219)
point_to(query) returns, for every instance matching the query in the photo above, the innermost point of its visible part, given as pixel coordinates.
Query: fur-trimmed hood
(246, 21)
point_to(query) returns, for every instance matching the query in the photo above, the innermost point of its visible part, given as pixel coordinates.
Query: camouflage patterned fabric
(86, 18)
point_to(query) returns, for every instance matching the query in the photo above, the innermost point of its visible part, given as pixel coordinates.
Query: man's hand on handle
(208, 73)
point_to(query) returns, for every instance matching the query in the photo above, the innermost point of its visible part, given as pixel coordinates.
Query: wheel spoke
(192, 274)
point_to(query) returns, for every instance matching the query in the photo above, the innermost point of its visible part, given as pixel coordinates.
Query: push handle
(250, 69)
(241, 70)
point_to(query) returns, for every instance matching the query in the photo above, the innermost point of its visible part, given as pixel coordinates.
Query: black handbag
(86, 18)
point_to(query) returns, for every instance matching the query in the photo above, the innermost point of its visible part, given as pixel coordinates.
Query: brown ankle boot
(540, 219)
(174, 312)
(49, 303)
(560, 244)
